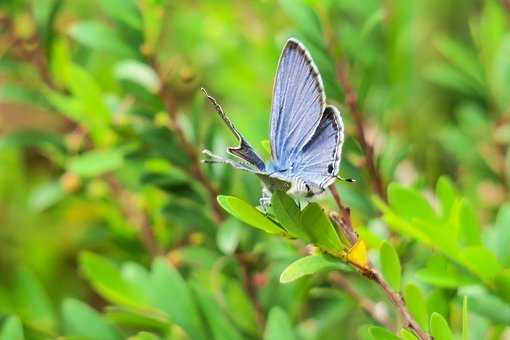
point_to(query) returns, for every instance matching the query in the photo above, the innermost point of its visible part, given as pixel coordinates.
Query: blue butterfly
(306, 134)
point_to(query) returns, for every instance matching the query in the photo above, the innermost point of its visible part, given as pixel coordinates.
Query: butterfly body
(306, 134)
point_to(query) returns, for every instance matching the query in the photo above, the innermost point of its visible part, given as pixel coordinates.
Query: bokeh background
(102, 123)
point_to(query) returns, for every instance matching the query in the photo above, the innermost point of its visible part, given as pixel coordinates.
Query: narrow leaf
(278, 326)
(319, 228)
(439, 327)
(248, 214)
(310, 265)
(390, 264)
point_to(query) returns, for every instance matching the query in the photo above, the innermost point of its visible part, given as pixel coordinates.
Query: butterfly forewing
(298, 103)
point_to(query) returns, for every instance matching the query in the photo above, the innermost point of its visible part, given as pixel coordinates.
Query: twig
(196, 169)
(506, 5)
(135, 215)
(351, 100)
(344, 221)
(372, 274)
(372, 308)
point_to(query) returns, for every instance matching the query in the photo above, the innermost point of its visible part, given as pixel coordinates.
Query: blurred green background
(95, 181)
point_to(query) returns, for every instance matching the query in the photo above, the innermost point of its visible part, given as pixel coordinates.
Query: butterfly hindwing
(319, 160)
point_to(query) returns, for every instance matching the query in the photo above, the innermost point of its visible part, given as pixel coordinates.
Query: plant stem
(351, 100)
(195, 171)
(369, 306)
(345, 224)
(396, 298)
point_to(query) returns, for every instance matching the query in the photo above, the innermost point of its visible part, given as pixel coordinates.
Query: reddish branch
(196, 168)
(134, 214)
(506, 5)
(351, 99)
(346, 227)
(369, 306)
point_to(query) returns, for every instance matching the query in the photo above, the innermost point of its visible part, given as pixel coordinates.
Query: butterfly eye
(330, 168)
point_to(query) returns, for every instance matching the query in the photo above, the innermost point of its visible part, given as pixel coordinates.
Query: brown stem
(506, 5)
(396, 298)
(351, 100)
(371, 307)
(344, 221)
(135, 215)
(196, 169)
(372, 274)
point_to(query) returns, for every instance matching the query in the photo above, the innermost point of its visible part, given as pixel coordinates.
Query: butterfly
(306, 134)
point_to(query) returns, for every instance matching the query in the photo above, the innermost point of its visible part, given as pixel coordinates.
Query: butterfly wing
(319, 160)
(298, 103)
(244, 150)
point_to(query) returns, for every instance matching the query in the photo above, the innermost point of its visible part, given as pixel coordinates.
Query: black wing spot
(330, 168)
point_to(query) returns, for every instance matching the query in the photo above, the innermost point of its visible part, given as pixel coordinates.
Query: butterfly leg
(265, 199)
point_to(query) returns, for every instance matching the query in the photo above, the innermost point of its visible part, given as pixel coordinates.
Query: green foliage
(248, 214)
(12, 329)
(390, 265)
(310, 265)
(439, 327)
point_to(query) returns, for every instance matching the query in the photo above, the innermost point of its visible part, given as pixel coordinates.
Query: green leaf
(486, 304)
(465, 319)
(480, 261)
(499, 235)
(442, 274)
(22, 94)
(319, 228)
(439, 327)
(144, 336)
(49, 142)
(407, 335)
(445, 191)
(288, 214)
(390, 265)
(239, 306)
(248, 214)
(463, 59)
(219, 324)
(12, 329)
(278, 326)
(229, 236)
(173, 296)
(125, 11)
(81, 320)
(96, 35)
(409, 203)
(33, 303)
(139, 73)
(379, 333)
(309, 265)
(417, 305)
(96, 162)
(107, 280)
(469, 228)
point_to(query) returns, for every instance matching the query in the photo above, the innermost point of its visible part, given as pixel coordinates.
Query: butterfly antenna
(222, 113)
(350, 180)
